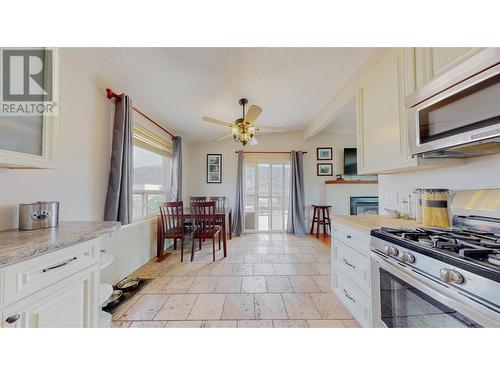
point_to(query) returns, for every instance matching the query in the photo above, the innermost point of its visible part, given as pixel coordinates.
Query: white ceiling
(178, 86)
(345, 121)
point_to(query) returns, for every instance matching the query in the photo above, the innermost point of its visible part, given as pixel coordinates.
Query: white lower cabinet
(68, 304)
(59, 289)
(356, 300)
(351, 271)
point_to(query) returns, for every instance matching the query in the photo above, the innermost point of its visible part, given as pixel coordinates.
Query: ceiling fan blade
(217, 122)
(274, 130)
(253, 112)
(226, 136)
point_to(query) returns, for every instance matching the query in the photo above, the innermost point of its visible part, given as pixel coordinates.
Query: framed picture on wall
(324, 153)
(214, 168)
(324, 169)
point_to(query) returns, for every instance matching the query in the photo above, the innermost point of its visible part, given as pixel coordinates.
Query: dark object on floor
(128, 284)
(127, 296)
(114, 299)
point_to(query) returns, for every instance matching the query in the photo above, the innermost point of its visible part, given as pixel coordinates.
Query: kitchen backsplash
(476, 173)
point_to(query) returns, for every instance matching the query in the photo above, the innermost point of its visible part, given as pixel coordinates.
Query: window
(152, 169)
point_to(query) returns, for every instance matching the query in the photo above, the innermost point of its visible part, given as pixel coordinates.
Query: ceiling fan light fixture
(243, 129)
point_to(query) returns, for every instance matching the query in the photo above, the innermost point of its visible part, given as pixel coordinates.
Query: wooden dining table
(223, 215)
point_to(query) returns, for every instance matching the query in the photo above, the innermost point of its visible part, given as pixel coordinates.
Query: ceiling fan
(243, 129)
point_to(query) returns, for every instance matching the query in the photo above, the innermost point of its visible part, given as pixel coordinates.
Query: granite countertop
(16, 246)
(365, 223)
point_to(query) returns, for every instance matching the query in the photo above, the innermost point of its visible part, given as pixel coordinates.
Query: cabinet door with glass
(30, 140)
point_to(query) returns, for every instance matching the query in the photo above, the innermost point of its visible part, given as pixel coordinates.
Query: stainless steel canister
(38, 215)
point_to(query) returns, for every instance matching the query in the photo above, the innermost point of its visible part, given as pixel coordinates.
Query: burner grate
(465, 243)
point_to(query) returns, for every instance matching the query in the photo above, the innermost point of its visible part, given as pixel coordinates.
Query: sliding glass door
(266, 195)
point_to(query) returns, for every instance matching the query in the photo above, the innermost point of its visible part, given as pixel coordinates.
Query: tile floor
(267, 280)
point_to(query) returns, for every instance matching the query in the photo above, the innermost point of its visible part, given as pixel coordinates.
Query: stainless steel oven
(404, 297)
(462, 120)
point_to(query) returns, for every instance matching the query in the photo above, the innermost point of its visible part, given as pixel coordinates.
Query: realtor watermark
(28, 82)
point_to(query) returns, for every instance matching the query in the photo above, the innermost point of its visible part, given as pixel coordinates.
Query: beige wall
(315, 191)
(476, 173)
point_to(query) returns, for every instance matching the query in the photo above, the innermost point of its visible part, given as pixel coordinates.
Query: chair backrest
(171, 214)
(197, 199)
(203, 216)
(220, 202)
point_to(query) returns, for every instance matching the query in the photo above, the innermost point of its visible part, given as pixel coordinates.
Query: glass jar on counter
(404, 209)
(435, 204)
(417, 201)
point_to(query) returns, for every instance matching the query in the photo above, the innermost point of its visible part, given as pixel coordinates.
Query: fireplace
(364, 205)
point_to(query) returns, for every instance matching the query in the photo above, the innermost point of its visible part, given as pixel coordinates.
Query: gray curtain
(119, 198)
(296, 212)
(238, 210)
(176, 179)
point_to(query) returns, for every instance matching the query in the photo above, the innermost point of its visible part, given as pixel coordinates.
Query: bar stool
(321, 216)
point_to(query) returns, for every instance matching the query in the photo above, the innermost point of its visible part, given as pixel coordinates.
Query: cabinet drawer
(352, 238)
(70, 303)
(357, 302)
(25, 278)
(353, 264)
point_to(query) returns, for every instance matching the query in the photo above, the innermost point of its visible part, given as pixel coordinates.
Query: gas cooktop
(472, 245)
(465, 245)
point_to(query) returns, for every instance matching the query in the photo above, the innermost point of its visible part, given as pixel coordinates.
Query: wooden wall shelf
(328, 182)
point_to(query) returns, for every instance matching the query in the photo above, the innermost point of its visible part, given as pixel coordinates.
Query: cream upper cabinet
(432, 62)
(381, 114)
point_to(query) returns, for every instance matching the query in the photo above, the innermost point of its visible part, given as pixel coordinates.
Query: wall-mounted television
(350, 162)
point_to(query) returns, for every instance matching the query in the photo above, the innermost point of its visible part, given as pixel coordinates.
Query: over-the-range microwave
(458, 114)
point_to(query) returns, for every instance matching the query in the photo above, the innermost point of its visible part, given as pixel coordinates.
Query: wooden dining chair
(204, 224)
(172, 224)
(220, 202)
(197, 199)
(188, 222)
(220, 205)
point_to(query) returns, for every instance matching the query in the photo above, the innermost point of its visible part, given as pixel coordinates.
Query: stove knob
(391, 250)
(407, 258)
(451, 276)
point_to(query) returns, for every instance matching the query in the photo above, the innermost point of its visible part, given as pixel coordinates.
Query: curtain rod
(111, 94)
(268, 152)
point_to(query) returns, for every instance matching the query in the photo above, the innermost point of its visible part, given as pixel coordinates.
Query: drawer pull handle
(59, 265)
(348, 296)
(12, 319)
(348, 264)
(348, 236)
